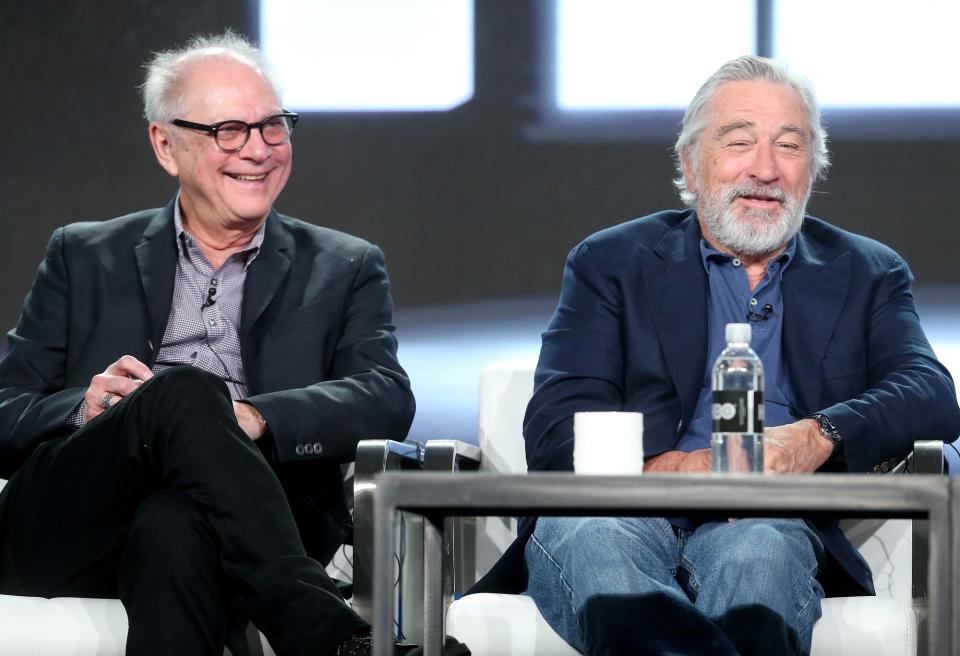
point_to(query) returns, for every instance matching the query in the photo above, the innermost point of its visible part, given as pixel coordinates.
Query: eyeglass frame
(214, 128)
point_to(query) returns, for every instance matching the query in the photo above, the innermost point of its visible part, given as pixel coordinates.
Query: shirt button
(213, 281)
(299, 449)
(753, 301)
(736, 261)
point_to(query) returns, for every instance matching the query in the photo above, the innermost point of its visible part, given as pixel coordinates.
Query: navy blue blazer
(316, 336)
(630, 333)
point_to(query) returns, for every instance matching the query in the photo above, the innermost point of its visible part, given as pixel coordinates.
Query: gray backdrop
(464, 203)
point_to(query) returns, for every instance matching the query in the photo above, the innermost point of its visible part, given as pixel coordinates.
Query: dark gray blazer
(316, 334)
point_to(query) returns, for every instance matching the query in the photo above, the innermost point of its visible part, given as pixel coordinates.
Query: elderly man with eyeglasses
(183, 384)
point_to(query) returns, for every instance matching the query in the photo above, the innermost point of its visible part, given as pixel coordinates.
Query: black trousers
(163, 501)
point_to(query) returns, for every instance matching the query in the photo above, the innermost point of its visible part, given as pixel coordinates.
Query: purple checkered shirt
(199, 332)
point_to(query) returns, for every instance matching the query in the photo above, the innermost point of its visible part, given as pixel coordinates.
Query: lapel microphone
(755, 317)
(211, 292)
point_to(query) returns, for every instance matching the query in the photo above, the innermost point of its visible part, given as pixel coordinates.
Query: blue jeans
(637, 585)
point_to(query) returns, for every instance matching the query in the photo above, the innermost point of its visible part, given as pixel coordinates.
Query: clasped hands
(797, 448)
(128, 373)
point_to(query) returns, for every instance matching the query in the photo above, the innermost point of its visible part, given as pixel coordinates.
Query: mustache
(769, 192)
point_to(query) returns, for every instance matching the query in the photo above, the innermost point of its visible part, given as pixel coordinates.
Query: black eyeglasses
(233, 135)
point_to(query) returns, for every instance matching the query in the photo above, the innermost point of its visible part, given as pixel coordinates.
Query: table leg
(433, 620)
(942, 547)
(385, 519)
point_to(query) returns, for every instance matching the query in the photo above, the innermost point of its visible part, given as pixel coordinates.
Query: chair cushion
(510, 625)
(21, 619)
(66, 626)
(865, 626)
(504, 625)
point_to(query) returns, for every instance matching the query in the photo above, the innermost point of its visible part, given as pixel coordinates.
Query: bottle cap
(738, 332)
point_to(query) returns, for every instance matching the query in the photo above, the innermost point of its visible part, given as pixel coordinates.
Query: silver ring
(105, 401)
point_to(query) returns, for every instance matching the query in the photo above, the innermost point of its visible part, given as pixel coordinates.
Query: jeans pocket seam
(568, 591)
(692, 580)
(812, 576)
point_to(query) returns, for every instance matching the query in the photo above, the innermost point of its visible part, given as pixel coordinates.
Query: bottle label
(737, 411)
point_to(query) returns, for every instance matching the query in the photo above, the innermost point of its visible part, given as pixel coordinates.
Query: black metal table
(437, 496)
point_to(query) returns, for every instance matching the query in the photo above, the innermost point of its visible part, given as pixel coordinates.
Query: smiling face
(752, 171)
(222, 190)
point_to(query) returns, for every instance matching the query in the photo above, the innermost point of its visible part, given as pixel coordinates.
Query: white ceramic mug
(608, 443)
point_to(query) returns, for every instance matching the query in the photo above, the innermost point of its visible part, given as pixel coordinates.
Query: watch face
(829, 430)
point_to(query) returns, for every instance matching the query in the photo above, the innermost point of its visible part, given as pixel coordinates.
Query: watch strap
(828, 430)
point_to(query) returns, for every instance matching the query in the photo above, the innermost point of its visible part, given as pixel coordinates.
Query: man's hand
(797, 448)
(117, 380)
(250, 420)
(676, 462)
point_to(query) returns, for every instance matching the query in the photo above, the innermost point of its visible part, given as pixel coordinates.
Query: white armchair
(510, 625)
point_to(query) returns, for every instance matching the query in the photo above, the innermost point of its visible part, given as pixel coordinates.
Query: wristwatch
(829, 431)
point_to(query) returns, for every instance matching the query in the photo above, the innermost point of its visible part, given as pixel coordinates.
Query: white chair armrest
(504, 625)
(34, 626)
(511, 625)
(865, 626)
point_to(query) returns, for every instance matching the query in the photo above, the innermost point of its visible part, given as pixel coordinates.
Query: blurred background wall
(475, 207)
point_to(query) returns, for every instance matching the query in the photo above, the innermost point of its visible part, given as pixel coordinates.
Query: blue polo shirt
(731, 301)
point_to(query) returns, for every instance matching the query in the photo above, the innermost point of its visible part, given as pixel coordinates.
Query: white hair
(745, 69)
(163, 98)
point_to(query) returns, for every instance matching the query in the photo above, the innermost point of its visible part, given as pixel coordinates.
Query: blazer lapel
(156, 255)
(676, 286)
(814, 290)
(266, 273)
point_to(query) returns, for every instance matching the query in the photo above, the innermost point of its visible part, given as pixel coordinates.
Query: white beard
(753, 232)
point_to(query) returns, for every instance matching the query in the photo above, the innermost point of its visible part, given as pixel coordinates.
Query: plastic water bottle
(737, 437)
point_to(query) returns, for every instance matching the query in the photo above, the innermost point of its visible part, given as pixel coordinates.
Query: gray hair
(747, 68)
(163, 98)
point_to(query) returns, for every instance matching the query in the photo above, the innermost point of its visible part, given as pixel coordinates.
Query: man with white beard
(851, 382)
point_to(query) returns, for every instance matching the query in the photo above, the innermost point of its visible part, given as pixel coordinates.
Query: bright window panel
(625, 54)
(873, 53)
(370, 55)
